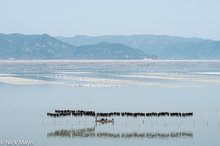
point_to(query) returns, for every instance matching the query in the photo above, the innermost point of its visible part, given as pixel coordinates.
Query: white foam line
(6, 74)
(86, 79)
(126, 82)
(154, 77)
(69, 61)
(168, 74)
(209, 73)
(172, 78)
(15, 80)
(73, 72)
(25, 81)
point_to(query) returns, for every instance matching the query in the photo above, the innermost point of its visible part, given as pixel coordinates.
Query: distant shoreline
(64, 60)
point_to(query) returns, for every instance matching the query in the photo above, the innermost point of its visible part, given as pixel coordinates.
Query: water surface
(30, 89)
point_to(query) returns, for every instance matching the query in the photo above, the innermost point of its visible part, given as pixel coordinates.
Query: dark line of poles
(60, 113)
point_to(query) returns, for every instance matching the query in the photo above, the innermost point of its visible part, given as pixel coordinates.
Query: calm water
(30, 89)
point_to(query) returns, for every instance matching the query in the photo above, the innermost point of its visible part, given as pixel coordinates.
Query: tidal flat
(31, 89)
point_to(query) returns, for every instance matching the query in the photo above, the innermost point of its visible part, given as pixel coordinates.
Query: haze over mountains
(165, 47)
(19, 46)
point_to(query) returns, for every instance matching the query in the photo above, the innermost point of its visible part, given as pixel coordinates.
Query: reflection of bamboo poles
(54, 122)
(219, 118)
(154, 121)
(42, 116)
(206, 117)
(90, 132)
(193, 123)
(151, 123)
(193, 120)
(178, 121)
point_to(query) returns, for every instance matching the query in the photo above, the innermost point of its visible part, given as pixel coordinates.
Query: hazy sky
(189, 18)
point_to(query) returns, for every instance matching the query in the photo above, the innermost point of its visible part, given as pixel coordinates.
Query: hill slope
(165, 47)
(20, 46)
(110, 51)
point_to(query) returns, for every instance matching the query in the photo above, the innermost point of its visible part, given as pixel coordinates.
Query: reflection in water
(90, 132)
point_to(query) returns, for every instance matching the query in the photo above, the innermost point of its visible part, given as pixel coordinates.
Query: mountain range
(163, 46)
(19, 46)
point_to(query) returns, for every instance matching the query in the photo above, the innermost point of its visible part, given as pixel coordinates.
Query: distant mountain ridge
(165, 47)
(19, 46)
(105, 50)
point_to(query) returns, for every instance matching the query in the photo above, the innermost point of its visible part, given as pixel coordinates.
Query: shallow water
(30, 89)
